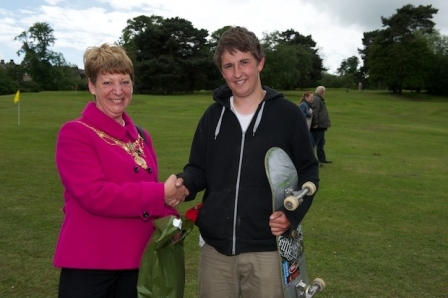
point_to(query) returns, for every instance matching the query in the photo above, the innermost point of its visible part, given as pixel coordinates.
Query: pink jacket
(110, 202)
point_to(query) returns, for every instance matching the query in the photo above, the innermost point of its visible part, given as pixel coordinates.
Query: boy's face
(241, 72)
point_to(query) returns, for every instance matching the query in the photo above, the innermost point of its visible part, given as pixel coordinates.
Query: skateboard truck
(295, 198)
(308, 291)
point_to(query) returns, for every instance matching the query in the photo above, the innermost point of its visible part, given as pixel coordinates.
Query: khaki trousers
(247, 275)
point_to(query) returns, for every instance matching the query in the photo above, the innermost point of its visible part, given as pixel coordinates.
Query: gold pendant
(140, 161)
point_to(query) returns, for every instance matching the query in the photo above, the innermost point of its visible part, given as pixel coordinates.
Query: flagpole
(17, 101)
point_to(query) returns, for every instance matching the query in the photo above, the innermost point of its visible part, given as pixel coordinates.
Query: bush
(7, 85)
(30, 86)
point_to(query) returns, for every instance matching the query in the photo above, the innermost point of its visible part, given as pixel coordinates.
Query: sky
(336, 26)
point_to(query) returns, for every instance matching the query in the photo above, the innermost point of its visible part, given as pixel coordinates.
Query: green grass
(378, 226)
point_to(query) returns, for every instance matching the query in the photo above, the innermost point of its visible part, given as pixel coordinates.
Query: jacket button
(136, 169)
(145, 214)
(149, 170)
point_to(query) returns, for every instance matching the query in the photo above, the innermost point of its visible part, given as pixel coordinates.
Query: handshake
(175, 191)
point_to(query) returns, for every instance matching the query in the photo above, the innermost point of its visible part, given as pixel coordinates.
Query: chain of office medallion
(134, 149)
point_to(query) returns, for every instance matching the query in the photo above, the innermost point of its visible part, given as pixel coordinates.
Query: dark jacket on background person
(320, 114)
(229, 164)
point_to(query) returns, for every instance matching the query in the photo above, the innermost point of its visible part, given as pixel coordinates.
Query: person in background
(320, 123)
(111, 188)
(236, 219)
(305, 107)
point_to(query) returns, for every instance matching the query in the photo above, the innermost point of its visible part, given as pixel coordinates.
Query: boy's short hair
(238, 39)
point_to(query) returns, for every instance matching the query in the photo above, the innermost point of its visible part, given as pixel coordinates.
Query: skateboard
(282, 176)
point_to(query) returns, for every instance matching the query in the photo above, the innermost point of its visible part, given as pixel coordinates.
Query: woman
(305, 107)
(111, 188)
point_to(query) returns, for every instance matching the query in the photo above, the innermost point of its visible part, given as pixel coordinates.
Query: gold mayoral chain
(134, 149)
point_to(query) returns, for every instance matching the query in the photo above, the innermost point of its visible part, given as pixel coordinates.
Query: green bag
(162, 268)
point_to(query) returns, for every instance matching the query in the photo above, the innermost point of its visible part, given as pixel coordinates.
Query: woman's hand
(174, 193)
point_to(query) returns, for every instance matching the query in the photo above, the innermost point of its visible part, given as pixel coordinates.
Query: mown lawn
(377, 228)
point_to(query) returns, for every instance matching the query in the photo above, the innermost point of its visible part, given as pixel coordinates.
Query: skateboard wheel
(291, 203)
(320, 283)
(311, 188)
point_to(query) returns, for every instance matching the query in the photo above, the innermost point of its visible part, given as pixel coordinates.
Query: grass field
(378, 226)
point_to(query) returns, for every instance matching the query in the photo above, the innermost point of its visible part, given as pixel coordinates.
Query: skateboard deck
(282, 176)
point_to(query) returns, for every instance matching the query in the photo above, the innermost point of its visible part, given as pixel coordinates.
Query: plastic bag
(162, 268)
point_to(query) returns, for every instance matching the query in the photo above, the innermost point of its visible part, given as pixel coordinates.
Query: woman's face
(309, 98)
(113, 93)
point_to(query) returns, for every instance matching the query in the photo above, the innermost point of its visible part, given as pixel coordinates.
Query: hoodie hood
(222, 96)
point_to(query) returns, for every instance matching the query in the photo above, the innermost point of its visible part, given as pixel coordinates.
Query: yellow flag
(17, 97)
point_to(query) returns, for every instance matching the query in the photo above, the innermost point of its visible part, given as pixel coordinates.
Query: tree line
(408, 54)
(171, 56)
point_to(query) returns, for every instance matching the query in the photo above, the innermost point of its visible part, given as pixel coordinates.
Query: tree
(395, 56)
(39, 58)
(170, 55)
(135, 27)
(437, 43)
(291, 61)
(332, 81)
(368, 42)
(350, 72)
(280, 71)
(311, 75)
(8, 85)
(438, 73)
(348, 66)
(15, 72)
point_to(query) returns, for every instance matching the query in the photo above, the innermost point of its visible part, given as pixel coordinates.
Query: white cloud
(54, 2)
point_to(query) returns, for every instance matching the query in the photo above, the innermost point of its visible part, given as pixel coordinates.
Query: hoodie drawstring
(218, 126)
(257, 122)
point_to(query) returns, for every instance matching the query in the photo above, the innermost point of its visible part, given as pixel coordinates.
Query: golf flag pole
(17, 101)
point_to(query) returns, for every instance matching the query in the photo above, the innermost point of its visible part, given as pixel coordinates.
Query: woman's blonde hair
(107, 59)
